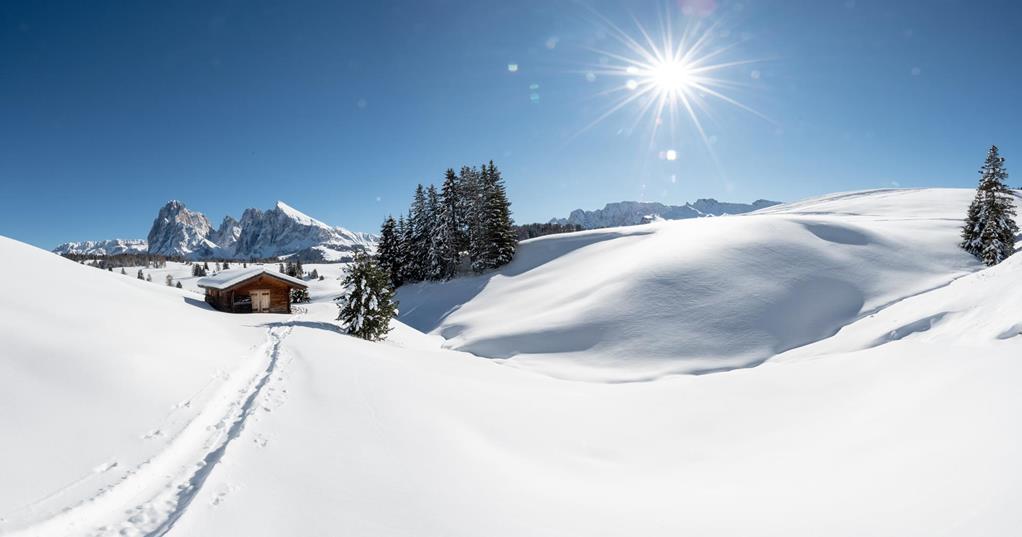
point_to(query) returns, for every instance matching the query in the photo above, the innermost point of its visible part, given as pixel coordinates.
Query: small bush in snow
(369, 306)
(299, 296)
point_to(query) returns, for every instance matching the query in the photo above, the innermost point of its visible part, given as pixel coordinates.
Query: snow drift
(698, 295)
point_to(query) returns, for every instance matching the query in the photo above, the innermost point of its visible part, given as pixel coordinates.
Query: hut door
(260, 300)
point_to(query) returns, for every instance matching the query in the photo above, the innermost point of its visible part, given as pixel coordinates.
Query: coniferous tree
(205, 267)
(418, 248)
(123, 272)
(404, 241)
(140, 275)
(226, 265)
(170, 280)
(475, 196)
(990, 228)
(369, 306)
(178, 285)
(148, 277)
(447, 233)
(387, 251)
(434, 256)
(501, 237)
(314, 274)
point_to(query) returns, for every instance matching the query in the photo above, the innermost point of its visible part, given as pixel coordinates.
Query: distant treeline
(531, 231)
(157, 261)
(124, 260)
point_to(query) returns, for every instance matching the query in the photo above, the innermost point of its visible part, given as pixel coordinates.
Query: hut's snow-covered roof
(232, 277)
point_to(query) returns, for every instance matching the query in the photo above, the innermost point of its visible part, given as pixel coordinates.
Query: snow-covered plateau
(836, 366)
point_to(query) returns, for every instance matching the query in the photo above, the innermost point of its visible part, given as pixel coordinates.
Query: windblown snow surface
(884, 398)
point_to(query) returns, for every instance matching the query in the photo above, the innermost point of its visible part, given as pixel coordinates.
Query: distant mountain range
(279, 231)
(109, 247)
(630, 213)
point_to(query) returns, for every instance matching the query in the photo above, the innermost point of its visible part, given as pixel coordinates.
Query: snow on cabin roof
(232, 277)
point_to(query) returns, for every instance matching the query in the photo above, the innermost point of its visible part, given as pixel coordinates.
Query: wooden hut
(250, 290)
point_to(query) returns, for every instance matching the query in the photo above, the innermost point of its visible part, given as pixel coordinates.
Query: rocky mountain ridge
(630, 213)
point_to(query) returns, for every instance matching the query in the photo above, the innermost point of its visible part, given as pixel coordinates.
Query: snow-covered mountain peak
(298, 216)
(279, 231)
(178, 231)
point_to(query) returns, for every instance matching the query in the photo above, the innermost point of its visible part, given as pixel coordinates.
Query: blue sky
(109, 109)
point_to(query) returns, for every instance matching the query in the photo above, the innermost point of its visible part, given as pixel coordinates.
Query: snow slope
(698, 295)
(902, 422)
(99, 373)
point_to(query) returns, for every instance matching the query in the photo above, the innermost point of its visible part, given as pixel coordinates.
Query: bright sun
(669, 76)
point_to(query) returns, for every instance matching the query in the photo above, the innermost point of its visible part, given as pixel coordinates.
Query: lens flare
(669, 77)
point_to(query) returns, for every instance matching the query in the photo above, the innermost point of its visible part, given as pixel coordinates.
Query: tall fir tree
(434, 254)
(990, 228)
(418, 249)
(501, 236)
(368, 307)
(447, 234)
(468, 208)
(387, 251)
(476, 216)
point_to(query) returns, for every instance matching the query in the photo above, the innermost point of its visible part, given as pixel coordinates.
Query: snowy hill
(699, 295)
(883, 402)
(107, 247)
(630, 213)
(280, 231)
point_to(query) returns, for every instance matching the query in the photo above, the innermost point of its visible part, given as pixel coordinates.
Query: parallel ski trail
(193, 485)
(155, 495)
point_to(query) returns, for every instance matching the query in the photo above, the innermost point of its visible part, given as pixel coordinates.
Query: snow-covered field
(884, 400)
(326, 289)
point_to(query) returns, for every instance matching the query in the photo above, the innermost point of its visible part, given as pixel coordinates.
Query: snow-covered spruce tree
(148, 277)
(123, 271)
(369, 306)
(502, 240)
(387, 251)
(469, 184)
(178, 285)
(434, 256)
(418, 247)
(990, 228)
(170, 280)
(406, 238)
(226, 265)
(140, 275)
(446, 236)
(477, 224)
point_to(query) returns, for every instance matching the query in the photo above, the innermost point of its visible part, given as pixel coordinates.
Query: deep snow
(698, 295)
(897, 417)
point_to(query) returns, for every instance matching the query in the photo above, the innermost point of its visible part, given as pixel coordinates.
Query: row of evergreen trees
(469, 216)
(990, 228)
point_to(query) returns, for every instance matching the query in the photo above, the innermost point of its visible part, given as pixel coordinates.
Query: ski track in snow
(152, 497)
